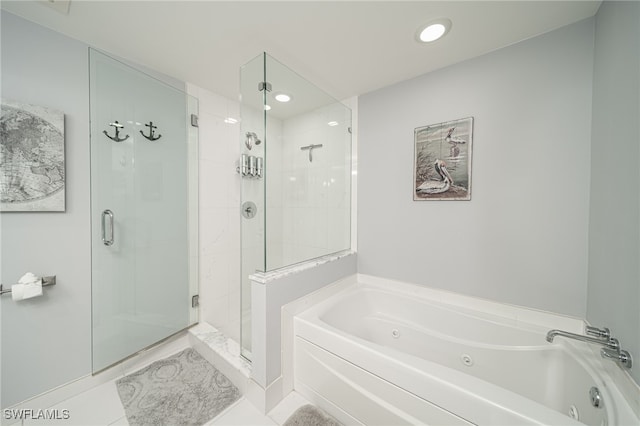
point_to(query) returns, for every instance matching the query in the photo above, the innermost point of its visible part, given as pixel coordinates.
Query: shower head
(252, 139)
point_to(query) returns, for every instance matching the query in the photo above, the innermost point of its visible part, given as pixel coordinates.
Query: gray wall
(614, 227)
(47, 341)
(522, 239)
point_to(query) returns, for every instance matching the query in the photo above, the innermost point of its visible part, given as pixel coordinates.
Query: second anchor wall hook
(151, 132)
(117, 137)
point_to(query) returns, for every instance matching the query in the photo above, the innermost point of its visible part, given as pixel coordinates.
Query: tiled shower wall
(313, 213)
(219, 221)
(219, 201)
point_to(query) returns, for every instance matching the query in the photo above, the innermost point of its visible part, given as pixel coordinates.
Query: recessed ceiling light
(267, 107)
(282, 97)
(433, 30)
(230, 120)
(332, 123)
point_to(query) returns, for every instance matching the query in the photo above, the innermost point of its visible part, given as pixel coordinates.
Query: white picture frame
(442, 160)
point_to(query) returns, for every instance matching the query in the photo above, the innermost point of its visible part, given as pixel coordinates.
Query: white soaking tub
(388, 353)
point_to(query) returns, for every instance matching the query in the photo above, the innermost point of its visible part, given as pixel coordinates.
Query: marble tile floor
(101, 406)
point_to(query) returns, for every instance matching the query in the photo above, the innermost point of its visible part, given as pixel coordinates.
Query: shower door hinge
(264, 85)
(194, 120)
(195, 301)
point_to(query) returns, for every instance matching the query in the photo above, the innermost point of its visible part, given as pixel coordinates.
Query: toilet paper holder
(46, 281)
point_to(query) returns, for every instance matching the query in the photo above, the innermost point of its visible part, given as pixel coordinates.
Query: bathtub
(388, 353)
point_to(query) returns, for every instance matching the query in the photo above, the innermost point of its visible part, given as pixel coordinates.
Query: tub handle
(621, 356)
(600, 333)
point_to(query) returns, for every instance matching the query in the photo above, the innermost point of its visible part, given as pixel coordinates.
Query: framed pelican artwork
(442, 169)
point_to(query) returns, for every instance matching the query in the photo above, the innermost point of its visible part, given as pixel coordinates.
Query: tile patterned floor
(101, 406)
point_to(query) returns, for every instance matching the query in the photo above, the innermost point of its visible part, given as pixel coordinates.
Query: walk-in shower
(299, 205)
(143, 210)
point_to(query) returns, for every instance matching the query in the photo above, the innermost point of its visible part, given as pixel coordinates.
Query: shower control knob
(249, 209)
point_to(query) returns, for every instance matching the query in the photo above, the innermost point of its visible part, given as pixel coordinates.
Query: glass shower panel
(308, 185)
(140, 151)
(252, 121)
(303, 196)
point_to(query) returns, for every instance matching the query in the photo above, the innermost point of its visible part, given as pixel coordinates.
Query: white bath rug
(308, 415)
(183, 389)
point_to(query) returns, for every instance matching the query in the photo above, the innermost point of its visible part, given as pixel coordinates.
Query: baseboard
(265, 399)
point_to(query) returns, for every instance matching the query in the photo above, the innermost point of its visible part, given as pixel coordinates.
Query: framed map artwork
(32, 168)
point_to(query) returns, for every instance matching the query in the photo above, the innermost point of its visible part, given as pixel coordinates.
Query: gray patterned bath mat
(308, 415)
(183, 389)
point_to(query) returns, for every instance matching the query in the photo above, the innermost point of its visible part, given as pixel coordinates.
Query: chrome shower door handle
(107, 241)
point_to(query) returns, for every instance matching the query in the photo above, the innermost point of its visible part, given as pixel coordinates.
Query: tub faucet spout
(611, 349)
(609, 343)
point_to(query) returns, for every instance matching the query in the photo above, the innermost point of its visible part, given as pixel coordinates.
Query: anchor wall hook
(151, 132)
(117, 137)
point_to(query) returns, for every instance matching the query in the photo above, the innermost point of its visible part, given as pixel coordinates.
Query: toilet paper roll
(33, 289)
(26, 291)
(17, 292)
(28, 278)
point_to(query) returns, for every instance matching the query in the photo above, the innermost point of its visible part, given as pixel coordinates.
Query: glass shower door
(139, 205)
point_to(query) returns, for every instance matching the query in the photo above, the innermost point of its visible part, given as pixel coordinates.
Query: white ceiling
(345, 47)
